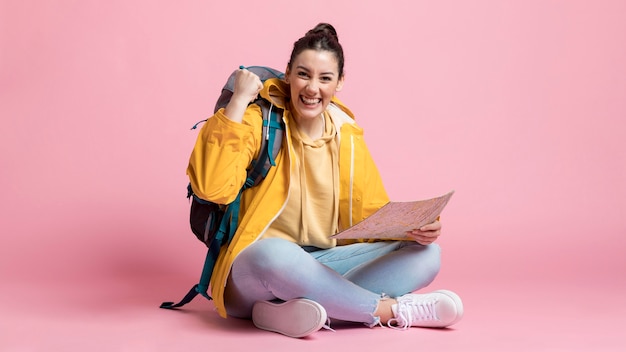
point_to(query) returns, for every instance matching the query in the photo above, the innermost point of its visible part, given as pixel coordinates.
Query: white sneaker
(295, 318)
(437, 309)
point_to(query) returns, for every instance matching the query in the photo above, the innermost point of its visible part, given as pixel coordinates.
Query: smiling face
(313, 79)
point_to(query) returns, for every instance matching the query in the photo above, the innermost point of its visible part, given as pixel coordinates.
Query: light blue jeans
(348, 281)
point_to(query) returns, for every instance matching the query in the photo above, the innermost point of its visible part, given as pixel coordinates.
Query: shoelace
(327, 325)
(410, 311)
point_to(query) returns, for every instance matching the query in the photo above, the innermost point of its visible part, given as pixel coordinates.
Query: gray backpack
(215, 224)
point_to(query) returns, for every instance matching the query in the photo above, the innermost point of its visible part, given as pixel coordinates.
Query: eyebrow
(307, 70)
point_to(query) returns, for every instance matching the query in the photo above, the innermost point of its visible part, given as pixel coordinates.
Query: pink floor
(120, 314)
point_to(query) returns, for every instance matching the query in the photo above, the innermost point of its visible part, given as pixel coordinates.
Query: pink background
(519, 106)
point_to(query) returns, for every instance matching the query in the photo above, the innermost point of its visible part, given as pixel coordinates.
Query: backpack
(215, 224)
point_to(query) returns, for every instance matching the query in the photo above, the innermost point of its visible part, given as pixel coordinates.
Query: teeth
(310, 101)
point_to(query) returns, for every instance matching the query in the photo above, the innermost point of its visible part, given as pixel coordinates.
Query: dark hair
(322, 37)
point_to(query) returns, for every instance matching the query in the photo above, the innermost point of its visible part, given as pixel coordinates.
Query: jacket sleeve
(222, 153)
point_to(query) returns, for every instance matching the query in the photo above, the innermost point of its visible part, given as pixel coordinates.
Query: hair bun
(325, 29)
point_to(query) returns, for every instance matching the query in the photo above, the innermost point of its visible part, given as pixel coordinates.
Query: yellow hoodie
(224, 149)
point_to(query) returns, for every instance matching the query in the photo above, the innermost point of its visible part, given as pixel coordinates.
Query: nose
(311, 86)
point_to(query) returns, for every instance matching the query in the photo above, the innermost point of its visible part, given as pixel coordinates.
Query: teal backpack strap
(273, 133)
(228, 226)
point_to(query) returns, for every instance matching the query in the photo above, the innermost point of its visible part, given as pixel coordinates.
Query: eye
(302, 74)
(326, 78)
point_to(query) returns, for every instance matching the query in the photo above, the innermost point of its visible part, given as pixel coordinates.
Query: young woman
(282, 269)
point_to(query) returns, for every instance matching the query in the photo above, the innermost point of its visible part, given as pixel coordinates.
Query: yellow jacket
(224, 149)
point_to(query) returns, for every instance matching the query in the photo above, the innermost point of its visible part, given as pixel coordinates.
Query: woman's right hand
(246, 89)
(247, 85)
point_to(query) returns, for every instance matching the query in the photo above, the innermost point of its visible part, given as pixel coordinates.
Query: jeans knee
(434, 250)
(427, 259)
(272, 254)
(433, 262)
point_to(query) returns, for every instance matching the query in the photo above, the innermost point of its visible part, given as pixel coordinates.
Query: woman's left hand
(427, 234)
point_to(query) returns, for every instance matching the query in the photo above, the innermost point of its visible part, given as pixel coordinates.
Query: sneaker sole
(295, 318)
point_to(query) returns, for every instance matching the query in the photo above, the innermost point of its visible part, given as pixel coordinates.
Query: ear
(339, 84)
(286, 79)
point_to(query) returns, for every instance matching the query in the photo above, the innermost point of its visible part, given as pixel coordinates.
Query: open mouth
(310, 101)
